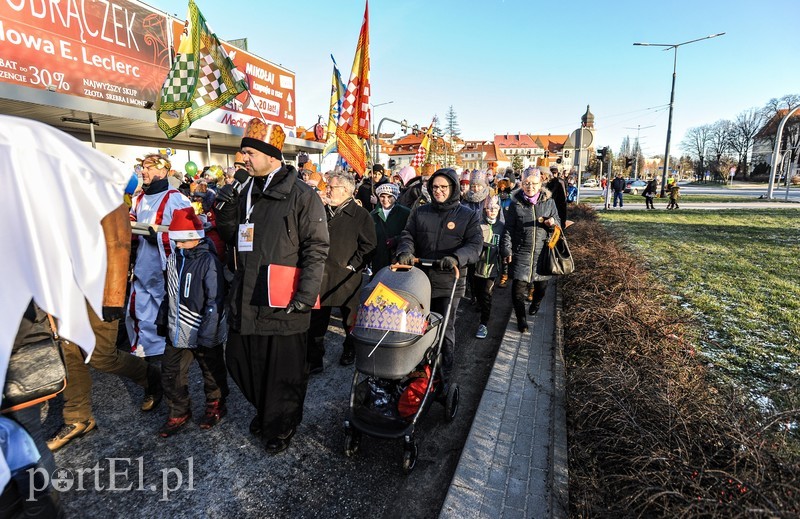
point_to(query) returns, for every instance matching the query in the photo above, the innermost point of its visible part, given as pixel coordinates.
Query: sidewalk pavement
(514, 463)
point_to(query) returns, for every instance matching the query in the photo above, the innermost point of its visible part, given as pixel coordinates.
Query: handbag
(558, 257)
(36, 372)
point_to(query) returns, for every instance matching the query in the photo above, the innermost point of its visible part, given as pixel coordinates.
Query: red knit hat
(185, 225)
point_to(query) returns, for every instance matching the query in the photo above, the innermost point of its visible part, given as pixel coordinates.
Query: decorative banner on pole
(202, 79)
(337, 96)
(424, 146)
(354, 121)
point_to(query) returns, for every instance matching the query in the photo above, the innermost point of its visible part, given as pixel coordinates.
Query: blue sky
(530, 66)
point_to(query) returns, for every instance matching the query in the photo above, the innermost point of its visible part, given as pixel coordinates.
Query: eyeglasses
(334, 187)
(531, 184)
(439, 188)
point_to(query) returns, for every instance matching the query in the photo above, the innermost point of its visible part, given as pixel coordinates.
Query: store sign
(119, 52)
(111, 51)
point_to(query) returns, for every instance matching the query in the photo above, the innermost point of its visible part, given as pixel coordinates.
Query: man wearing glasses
(447, 231)
(153, 206)
(352, 237)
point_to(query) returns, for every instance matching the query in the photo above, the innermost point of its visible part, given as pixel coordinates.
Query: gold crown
(270, 133)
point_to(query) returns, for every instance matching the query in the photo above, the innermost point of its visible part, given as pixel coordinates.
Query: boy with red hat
(192, 318)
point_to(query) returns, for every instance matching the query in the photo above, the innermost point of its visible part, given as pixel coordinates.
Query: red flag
(354, 120)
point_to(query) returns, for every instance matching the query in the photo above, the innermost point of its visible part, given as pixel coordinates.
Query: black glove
(113, 313)
(226, 194)
(151, 237)
(405, 258)
(297, 306)
(448, 263)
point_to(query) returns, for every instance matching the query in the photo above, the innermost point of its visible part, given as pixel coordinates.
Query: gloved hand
(297, 306)
(113, 313)
(151, 237)
(226, 194)
(448, 263)
(405, 258)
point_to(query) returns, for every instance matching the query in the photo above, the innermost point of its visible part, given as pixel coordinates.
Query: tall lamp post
(672, 96)
(377, 148)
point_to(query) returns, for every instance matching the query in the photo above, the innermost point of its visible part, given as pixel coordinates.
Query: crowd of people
(204, 282)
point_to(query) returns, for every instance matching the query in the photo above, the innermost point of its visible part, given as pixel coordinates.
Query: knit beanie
(388, 188)
(185, 225)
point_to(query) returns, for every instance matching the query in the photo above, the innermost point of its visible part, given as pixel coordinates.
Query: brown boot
(503, 280)
(69, 432)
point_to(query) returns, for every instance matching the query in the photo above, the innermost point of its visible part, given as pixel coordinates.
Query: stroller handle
(437, 264)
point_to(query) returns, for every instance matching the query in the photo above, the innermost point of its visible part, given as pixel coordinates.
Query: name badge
(246, 237)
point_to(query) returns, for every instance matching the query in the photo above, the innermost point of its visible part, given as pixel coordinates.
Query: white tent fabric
(55, 191)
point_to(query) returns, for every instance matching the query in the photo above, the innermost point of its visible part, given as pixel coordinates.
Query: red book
(282, 282)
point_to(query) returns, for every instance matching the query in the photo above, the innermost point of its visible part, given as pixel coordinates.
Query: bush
(649, 436)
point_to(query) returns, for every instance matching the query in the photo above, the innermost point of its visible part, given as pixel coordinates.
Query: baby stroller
(398, 343)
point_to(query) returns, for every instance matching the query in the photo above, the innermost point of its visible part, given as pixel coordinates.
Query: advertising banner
(115, 51)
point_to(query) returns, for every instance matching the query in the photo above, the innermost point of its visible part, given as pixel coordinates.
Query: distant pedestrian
(674, 196)
(617, 188)
(649, 193)
(193, 320)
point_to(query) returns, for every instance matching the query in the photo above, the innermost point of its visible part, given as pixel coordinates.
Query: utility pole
(638, 146)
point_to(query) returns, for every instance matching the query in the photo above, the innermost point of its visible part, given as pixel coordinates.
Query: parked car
(635, 186)
(590, 183)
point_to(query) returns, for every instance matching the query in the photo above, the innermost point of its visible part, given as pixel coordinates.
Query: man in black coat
(447, 231)
(276, 220)
(352, 237)
(366, 191)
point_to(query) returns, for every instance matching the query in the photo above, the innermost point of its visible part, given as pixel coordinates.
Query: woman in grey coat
(529, 220)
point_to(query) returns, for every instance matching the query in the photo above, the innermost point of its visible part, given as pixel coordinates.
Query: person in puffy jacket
(192, 318)
(446, 231)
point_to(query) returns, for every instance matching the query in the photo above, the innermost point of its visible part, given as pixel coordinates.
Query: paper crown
(266, 138)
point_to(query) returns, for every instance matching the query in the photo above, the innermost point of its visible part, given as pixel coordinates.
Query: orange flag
(354, 120)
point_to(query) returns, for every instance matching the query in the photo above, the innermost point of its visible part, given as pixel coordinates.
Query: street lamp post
(377, 148)
(672, 96)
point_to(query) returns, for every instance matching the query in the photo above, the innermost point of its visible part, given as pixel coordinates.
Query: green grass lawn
(739, 272)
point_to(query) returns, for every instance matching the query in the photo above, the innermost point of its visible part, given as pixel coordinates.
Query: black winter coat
(352, 236)
(290, 229)
(525, 238)
(388, 235)
(437, 230)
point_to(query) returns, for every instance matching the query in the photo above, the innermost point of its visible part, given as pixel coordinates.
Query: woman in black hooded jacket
(447, 231)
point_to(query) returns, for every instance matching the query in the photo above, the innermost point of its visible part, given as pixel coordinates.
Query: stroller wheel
(352, 440)
(409, 457)
(451, 404)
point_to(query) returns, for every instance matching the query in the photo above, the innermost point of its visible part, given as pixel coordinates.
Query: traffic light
(628, 162)
(392, 163)
(602, 154)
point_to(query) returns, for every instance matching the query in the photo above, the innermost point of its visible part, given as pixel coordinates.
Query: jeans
(617, 196)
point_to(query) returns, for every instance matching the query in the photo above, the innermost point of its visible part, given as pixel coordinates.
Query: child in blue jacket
(193, 320)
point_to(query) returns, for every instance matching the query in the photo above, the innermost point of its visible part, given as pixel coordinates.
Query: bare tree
(775, 109)
(745, 127)
(719, 145)
(696, 143)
